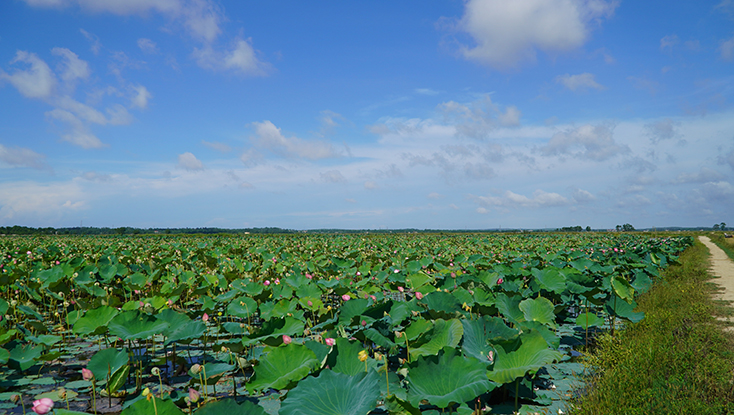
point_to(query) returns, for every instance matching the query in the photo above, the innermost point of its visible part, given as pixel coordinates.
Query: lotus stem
(517, 392)
(94, 396)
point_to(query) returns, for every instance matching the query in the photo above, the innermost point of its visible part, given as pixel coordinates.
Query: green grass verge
(723, 243)
(678, 360)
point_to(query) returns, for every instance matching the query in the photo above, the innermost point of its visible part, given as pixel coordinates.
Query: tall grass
(678, 360)
(727, 245)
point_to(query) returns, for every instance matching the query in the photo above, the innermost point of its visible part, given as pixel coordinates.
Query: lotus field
(311, 324)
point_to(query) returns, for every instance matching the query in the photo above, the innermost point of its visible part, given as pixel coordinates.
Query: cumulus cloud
(200, 19)
(668, 42)
(579, 82)
(140, 97)
(22, 157)
(370, 185)
(582, 196)
(333, 176)
(586, 142)
(37, 81)
(510, 199)
(269, 137)
(704, 175)
(29, 200)
(189, 162)
(507, 33)
(478, 118)
(660, 130)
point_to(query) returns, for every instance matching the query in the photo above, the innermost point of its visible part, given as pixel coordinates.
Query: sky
(474, 114)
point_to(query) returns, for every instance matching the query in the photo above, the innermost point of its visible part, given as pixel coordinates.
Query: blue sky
(365, 115)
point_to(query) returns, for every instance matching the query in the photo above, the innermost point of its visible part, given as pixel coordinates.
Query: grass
(678, 360)
(726, 244)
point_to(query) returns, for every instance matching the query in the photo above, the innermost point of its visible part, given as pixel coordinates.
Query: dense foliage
(375, 323)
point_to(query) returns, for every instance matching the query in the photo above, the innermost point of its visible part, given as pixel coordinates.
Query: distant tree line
(625, 228)
(720, 226)
(574, 229)
(25, 230)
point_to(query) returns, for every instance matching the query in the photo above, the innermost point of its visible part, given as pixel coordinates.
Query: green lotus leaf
(30, 312)
(180, 327)
(212, 371)
(62, 411)
(242, 307)
(333, 393)
(148, 407)
(550, 279)
(4, 356)
(442, 302)
(531, 356)
(3, 306)
(481, 333)
(538, 309)
(288, 326)
(509, 306)
(445, 333)
(282, 366)
(136, 325)
(230, 407)
(416, 328)
(446, 379)
(23, 357)
(587, 319)
(350, 309)
(623, 288)
(347, 359)
(620, 308)
(107, 362)
(95, 321)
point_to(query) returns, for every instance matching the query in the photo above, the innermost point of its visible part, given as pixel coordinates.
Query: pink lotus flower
(205, 317)
(373, 298)
(346, 297)
(418, 295)
(364, 323)
(87, 374)
(287, 339)
(309, 276)
(310, 303)
(194, 395)
(500, 281)
(43, 405)
(401, 289)
(277, 281)
(329, 341)
(266, 283)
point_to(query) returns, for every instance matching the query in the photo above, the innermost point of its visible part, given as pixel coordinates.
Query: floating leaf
(282, 366)
(23, 357)
(446, 379)
(333, 393)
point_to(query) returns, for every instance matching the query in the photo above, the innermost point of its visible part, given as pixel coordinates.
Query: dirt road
(723, 269)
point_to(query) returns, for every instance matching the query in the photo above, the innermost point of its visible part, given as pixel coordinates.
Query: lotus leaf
(148, 407)
(107, 362)
(445, 333)
(538, 309)
(480, 333)
(242, 307)
(95, 320)
(550, 279)
(333, 393)
(531, 356)
(446, 379)
(282, 366)
(136, 325)
(23, 357)
(230, 407)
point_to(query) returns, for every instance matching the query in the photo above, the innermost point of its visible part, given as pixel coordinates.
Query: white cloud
(435, 195)
(189, 162)
(220, 147)
(668, 42)
(664, 129)
(426, 91)
(140, 97)
(478, 118)
(240, 58)
(587, 142)
(38, 81)
(370, 185)
(268, 136)
(579, 82)
(20, 201)
(72, 68)
(78, 133)
(509, 32)
(510, 199)
(333, 176)
(704, 175)
(726, 48)
(96, 44)
(22, 157)
(147, 46)
(582, 196)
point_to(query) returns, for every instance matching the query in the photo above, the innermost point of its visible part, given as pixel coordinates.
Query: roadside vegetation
(678, 360)
(726, 244)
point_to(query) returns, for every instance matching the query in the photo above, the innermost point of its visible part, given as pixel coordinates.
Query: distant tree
(588, 229)
(716, 226)
(723, 226)
(627, 227)
(619, 228)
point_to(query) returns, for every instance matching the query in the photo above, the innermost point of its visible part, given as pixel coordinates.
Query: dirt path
(722, 268)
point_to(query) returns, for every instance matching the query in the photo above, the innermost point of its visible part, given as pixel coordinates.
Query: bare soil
(722, 269)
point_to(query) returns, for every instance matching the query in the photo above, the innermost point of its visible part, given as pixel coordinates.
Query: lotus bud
(205, 317)
(194, 395)
(346, 297)
(87, 374)
(329, 341)
(196, 368)
(15, 398)
(43, 405)
(155, 371)
(287, 339)
(418, 295)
